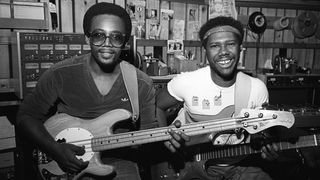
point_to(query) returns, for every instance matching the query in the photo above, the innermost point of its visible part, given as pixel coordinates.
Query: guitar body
(71, 129)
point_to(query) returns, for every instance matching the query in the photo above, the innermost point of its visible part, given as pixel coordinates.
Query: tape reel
(281, 23)
(304, 25)
(257, 22)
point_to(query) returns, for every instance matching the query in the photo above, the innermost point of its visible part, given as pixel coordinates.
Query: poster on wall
(178, 29)
(175, 46)
(167, 14)
(222, 8)
(136, 10)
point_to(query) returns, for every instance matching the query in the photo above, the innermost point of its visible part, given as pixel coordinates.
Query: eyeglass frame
(107, 36)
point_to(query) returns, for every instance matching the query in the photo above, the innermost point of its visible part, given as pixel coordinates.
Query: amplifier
(301, 89)
(37, 51)
(299, 94)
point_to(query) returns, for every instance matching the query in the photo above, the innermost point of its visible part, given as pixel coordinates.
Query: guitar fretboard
(246, 149)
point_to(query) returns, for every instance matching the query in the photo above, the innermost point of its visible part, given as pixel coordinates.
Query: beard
(228, 74)
(107, 67)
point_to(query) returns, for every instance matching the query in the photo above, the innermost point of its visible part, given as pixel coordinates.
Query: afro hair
(220, 21)
(107, 8)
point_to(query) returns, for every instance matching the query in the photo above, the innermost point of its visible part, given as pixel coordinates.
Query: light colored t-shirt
(201, 96)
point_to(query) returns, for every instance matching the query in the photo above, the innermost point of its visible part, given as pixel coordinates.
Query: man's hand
(269, 152)
(67, 160)
(177, 139)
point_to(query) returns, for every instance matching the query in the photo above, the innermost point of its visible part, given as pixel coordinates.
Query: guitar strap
(129, 75)
(241, 92)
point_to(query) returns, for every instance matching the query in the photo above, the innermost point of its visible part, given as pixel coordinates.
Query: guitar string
(157, 130)
(305, 143)
(130, 134)
(302, 142)
(233, 150)
(105, 139)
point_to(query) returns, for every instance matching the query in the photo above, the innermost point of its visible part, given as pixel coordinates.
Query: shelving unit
(307, 50)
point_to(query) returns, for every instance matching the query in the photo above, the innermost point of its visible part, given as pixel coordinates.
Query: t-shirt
(206, 100)
(68, 87)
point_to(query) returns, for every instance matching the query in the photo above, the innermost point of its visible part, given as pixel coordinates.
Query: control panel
(38, 51)
(300, 89)
(291, 81)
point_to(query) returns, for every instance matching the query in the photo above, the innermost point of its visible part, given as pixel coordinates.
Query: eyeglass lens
(116, 38)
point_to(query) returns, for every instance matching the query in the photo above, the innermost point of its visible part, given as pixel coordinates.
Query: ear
(87, 39)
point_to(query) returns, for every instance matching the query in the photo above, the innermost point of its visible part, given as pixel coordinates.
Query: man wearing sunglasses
(87, 87)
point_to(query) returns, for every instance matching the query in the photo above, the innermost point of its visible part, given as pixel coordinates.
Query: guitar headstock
(256, 120)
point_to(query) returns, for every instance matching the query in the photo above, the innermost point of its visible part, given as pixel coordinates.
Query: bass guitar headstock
(256, 120)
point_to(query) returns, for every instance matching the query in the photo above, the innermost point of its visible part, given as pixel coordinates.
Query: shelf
(281, 45)
(9, 103)
(152, 42)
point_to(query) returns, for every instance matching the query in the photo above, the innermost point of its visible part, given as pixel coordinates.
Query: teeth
(224, 62)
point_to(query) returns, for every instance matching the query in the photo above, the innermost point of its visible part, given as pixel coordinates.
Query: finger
(174, 135)
(273, 151)
(263, 155)
(264, 149)
(184, 136)
(78, 164)
(176, 144)
(169, 146)
(269, 153)
(79, 150)
(275, 147)
(82, 164)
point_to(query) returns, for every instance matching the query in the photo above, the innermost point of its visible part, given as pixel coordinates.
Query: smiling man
(217, 91)
(87, 87)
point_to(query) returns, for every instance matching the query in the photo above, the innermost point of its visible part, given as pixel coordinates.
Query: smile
(224, 62)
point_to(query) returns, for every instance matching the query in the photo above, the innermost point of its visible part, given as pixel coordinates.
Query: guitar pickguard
(76, 136)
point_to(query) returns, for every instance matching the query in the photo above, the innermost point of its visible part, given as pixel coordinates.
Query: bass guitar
(96, 135)
(164, 171)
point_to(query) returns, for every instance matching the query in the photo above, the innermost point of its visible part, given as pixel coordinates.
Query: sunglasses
(116, 38)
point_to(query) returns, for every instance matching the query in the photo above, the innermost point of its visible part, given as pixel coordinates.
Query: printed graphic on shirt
(205, 104)
(195, 101)
(217, 100)
(124, 99)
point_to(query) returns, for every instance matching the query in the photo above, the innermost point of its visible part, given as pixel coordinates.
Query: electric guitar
(96, 135)
(164, 171)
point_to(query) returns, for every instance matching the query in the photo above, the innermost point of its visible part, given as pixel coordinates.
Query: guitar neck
(161, 134)
(252, 121)
(246, 149)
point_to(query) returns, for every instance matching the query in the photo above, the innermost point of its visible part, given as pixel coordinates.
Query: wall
(305, 51)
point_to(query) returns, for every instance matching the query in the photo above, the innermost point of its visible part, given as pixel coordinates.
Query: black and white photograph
(159, 90)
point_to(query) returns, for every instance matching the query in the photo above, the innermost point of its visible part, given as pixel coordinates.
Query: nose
(223, 50)
(107, 42)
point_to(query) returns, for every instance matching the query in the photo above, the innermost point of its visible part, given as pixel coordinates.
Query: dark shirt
(68, 87)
